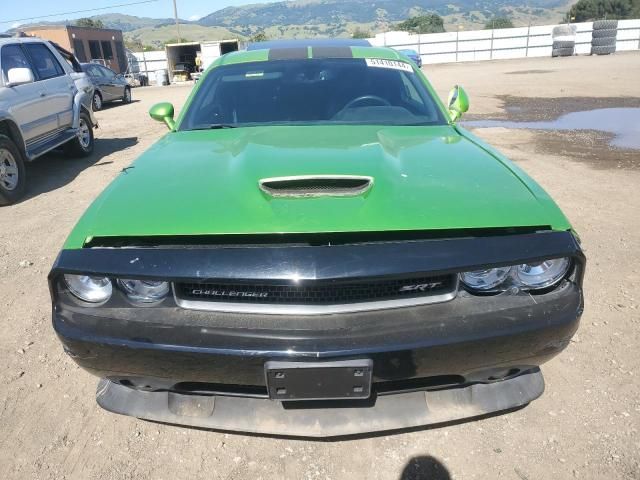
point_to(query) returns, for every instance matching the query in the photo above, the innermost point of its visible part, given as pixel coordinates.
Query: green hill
(329, 18)
(332, 12)
(157, 36)
(128, 23)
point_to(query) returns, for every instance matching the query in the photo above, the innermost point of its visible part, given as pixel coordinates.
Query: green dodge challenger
(317, 249)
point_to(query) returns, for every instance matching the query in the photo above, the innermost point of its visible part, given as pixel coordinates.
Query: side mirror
(19, 76)
(163, 112)
(458, 102)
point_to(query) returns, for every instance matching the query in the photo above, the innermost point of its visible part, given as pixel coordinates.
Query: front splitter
(264, 416)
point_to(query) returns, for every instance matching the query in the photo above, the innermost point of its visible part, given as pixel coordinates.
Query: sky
(14, 12)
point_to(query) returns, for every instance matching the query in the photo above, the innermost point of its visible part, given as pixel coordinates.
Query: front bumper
(432, 363)
(403, 410)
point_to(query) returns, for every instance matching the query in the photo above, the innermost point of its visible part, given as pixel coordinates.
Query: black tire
(605, 24)
(563, 30)
(96, 102)
(127, 95)
(81, 146)
(564, 44)
(603, 42)
(602, 50)
(604, 33)
(562, 52)
(11, 166)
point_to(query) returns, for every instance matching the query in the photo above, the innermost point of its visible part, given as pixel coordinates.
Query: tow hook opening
(501, 375)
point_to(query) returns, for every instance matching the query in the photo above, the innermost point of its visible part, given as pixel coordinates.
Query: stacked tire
(563, 41)
(603, 37)
(563, 48)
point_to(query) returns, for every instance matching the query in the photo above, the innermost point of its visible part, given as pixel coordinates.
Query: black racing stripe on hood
(332, 52)
(289, 53)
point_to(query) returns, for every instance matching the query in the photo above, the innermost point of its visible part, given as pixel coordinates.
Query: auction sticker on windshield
(394, 64)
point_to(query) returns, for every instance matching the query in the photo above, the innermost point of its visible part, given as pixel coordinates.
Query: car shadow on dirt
(117, 103)
(425, 467)
(55, 169)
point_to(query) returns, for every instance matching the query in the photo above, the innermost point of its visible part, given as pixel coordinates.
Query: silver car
(41, 108)
(108, 85)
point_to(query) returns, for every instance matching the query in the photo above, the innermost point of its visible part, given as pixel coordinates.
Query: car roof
(302, 50)
(316, 42)
(86, 64)
(5, 40)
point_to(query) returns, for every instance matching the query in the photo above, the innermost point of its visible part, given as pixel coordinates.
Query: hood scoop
(316, 186)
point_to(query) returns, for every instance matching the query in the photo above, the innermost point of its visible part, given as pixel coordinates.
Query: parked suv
(41, 108)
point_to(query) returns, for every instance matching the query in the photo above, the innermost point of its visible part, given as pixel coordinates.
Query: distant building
(103, 45)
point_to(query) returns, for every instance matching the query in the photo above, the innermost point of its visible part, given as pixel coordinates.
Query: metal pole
(175, 14)
(144, 60)
(491, 47)
(526, 51)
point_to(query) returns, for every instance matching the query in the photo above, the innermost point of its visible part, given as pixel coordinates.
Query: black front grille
(314, 293)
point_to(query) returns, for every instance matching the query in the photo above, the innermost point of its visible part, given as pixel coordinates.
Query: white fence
(150, 62)
(465, 46)
(475, 45)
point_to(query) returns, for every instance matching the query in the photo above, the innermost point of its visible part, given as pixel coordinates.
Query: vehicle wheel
(604, 33)
(127, 95)
(13, 177)
(603, 50)
(605, 24)
(562, 52)
(603, 42)
(564, 44)
(97, 102)
(82, 145)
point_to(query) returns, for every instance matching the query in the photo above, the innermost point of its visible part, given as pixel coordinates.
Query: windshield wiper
(214, 126)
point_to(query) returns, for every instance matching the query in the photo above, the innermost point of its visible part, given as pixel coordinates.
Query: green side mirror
(163, 112)
(458, 102)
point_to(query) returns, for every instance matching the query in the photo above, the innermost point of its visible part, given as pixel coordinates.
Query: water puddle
(623, 123)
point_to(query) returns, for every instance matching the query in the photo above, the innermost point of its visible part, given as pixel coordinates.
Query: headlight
(144, 291)
(88, 288)
(542, 274)
(528, 276)
(485, 279)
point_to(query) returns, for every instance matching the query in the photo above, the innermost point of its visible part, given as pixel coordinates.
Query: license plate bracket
(347, 379)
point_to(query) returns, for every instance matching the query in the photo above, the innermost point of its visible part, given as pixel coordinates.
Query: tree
(175, 40)
(431, 23)
(498, 22)
(586, 10)
(89, 22)
(259, 37)
(134, 45)
(359, 33)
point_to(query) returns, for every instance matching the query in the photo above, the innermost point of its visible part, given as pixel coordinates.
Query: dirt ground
(584, 426)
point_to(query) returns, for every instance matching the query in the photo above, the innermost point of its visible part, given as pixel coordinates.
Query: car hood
(207, 182)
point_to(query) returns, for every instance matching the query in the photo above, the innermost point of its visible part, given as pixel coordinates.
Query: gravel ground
(585, 425)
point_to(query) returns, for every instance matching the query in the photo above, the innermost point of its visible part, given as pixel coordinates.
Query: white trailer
(181, 59)
(210, 51)
(185, 53)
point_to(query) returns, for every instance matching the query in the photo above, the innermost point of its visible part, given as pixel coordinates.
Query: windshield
(312, 92)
